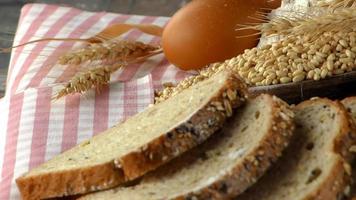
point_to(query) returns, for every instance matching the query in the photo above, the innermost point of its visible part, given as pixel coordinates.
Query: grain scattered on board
(293, 59)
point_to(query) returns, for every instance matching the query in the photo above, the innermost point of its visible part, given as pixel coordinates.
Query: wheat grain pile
(313, 48)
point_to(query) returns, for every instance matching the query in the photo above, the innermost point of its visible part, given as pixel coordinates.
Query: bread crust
(157, 152)
(257, 162)
(348, 100)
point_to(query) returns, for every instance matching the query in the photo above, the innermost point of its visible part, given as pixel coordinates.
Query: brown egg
(204, 31)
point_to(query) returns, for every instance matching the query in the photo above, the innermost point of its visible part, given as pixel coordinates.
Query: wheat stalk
(97, 77)
(113, 50)
(335, 4)
(343, 19)
(82, 82)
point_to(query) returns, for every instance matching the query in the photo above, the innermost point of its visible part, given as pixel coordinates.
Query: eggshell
(204, 32)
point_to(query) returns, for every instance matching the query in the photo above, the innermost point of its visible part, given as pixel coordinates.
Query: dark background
(10, 11)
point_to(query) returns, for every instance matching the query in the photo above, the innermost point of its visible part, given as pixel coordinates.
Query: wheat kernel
(316, 77)
(331, 57)
(343, 43)
(330, 65)
(257, 79)
(269, 81)
(339, 71)
(349, 53)
(324, 73)
(344, 66)
(326, 49)
(298, 78)
(285, 80)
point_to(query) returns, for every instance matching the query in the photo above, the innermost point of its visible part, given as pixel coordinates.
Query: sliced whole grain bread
(350, 104)
(315, 165)
(140, 144)
(226, 164)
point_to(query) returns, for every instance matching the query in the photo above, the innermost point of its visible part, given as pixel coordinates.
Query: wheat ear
(97, 77)
(113, 50)
(82, 82)
(335, 4)
(332, 21)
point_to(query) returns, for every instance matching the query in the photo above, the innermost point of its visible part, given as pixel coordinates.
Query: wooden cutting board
(336, 87)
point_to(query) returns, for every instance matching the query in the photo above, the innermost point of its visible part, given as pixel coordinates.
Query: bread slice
(226, 164)
(140, 144)
(350, 104)
(314, 166)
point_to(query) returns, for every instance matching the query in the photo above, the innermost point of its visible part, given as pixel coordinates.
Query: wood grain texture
(3, 72)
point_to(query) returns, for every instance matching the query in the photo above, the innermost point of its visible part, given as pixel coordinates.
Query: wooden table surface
(10, 11)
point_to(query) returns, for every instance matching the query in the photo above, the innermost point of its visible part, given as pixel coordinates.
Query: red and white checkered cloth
(33, 128)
